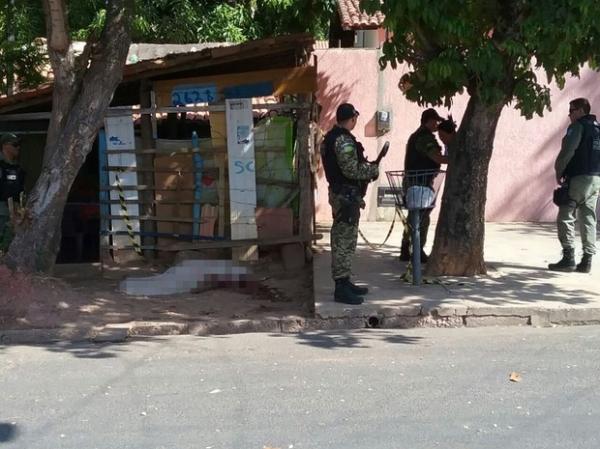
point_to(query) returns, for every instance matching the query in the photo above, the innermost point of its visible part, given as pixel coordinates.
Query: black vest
(333, 172)
(12, 181)
(415, 159)
(586, 160)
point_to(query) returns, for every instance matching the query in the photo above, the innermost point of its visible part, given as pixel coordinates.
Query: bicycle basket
(415, 189)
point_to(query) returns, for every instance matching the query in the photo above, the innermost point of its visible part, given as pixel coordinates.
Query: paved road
(421, 388)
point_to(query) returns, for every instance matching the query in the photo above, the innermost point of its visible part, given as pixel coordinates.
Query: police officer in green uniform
(348, 173)
(422, 153)
(12, 183)
(578, 164)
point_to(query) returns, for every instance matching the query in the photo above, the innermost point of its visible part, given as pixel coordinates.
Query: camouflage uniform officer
(422, 153)
(348, 174)
(12, 181)
(578, 164)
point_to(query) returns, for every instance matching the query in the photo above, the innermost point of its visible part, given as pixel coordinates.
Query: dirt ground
(85, 295)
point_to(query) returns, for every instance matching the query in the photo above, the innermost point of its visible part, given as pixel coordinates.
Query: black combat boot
(357, 289)
(344, 294)
(585, 266)
(567, 263)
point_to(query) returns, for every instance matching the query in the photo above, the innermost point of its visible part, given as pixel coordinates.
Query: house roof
(277, 52)
(353, 17)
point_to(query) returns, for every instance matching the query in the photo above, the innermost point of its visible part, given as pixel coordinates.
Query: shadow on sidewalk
(529, 229)
(508, 283)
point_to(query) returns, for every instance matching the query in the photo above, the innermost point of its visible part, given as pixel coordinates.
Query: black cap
(430, 114)
(448, 125)
(10, 138)
(344, 112)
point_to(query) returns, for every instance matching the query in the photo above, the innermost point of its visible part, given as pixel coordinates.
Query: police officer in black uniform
(578, 167)
(12, 183)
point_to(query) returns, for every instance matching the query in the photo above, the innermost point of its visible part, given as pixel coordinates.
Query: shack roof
(181, 62)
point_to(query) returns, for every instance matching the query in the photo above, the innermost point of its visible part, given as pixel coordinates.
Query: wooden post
(147, 160)
(218, 131)
(104, 196)
(304, 173)
(242, 176)
(120, 136)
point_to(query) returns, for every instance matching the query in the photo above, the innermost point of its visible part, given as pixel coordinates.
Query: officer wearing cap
(348, 173)
(12, 183)
(422, 153)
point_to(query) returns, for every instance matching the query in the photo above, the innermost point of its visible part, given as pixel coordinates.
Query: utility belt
(346, 190)
(10, 182)
(350, 197)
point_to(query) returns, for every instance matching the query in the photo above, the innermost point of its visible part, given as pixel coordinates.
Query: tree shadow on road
(357, 339)
(88, 349)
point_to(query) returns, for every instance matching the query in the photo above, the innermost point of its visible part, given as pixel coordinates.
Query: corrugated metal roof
(353, 17)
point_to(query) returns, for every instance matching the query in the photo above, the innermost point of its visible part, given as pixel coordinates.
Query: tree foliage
(20, 58)
(497, 51)
(492, 48)
(154, 21)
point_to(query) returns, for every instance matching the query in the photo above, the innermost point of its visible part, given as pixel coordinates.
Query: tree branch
(56, 22)
(104, 73)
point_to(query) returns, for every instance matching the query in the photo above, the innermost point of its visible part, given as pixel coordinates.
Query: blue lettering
(176, 99)
(239, 165)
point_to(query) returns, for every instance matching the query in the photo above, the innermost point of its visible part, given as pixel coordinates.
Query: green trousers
(583, 191)
(343, 240)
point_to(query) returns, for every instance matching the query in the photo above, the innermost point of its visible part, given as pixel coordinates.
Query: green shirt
(347, 158)
(427, 144)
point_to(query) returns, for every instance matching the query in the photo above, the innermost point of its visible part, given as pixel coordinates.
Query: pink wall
(521, 176)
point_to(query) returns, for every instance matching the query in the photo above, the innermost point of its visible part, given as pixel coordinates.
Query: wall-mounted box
(384, 121)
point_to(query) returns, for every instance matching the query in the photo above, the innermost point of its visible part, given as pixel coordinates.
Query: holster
(560, 196)
(350, 204)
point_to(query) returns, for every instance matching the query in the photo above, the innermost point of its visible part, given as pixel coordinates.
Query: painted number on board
(243, 166)
(183, 95)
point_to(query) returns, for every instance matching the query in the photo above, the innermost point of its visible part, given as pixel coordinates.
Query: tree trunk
(83, 89)
(459, 237)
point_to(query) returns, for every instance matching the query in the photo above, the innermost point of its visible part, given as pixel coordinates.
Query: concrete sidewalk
(518, 290)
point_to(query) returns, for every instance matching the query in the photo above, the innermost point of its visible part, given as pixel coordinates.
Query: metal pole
(415, 224)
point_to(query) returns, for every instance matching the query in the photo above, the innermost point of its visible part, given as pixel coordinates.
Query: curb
(404, 318)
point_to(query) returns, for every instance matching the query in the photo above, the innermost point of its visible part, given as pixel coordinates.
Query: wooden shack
(200, 149)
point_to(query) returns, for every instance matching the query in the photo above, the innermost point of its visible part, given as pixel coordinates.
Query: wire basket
(415, 189)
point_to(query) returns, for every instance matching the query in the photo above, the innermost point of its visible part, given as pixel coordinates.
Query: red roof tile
(354, 18)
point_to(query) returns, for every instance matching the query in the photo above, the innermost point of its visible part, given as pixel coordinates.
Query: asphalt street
(407, 389)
